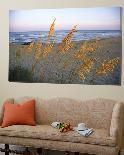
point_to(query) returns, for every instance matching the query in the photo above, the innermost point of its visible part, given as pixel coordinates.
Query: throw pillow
(19, 114)
(1, 109)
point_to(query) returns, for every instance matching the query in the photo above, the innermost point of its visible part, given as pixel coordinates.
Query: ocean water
(80, 35)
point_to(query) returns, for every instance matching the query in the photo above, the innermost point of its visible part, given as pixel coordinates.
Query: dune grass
(88, 62)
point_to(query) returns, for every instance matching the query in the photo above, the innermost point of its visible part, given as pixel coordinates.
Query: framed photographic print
(66, 46)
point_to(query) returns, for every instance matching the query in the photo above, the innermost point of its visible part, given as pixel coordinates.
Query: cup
(55, 124)
(82, 126)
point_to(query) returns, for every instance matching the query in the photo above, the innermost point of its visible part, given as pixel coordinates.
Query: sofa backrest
(96, 113)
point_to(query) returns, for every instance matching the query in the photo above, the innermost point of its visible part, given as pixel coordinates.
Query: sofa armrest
(116, 122)
(1, 108)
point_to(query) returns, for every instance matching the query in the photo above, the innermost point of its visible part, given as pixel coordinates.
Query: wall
(48, 90)
(82, 92)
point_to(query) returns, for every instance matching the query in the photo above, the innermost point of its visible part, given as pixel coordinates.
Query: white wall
(8, 89)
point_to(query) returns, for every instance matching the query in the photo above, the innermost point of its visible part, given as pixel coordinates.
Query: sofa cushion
(19, 114)
(46, 132)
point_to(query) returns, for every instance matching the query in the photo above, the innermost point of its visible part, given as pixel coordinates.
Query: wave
(22, 37)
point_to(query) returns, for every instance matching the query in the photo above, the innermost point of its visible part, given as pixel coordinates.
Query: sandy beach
(25, 65)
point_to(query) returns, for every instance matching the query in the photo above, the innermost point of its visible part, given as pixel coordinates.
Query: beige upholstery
(117, 122)
(59, 145)
(103, 115)
(47, 132)
(95, 113)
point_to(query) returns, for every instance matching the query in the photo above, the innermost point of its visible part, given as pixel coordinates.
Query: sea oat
(47, 49)
(38, 48)
(51, 32)
(64, 64)
(87, 47)
(107, 66)
(85, 68)
(37, 53)
(30, 47)
(49, 46)
(33, 67)
(66, 42)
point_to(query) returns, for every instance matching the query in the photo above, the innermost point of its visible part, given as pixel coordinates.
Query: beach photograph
(66, 46)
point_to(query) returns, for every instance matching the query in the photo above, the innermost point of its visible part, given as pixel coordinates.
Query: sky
(104, 18)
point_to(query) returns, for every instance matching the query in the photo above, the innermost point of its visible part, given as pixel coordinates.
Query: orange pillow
(1, 109)
(19, 114)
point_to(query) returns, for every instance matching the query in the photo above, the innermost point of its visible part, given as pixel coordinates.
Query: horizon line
(66, 30)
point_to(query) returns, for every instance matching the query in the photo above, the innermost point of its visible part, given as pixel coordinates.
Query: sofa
(103, 115)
